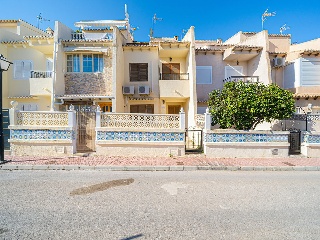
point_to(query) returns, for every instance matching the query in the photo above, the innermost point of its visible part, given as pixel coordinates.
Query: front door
(174, 109)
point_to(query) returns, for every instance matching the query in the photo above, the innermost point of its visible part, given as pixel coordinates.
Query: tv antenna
(265, 15)
(284, 28)
(133, 29)
(183, 32)
(40, 19)
(154, 21)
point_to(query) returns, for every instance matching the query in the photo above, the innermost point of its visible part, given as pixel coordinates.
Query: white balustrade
(143, 121)
(37, 118)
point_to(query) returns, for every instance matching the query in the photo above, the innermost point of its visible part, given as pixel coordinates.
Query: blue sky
(212, 19)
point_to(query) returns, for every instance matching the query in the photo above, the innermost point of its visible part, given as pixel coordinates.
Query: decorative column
(182, 119)
(13, 113)
(207, 120)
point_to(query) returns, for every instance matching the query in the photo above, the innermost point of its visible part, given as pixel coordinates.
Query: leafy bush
(243, 106)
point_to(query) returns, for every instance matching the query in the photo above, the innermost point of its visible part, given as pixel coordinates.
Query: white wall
(289, 75)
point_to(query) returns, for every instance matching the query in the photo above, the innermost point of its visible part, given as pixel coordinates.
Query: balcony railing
(41, 74)
(174, 76)
(246, 79)
(92, 36)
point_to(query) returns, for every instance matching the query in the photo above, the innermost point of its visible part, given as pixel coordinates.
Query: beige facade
(175, 73)
(29, 80)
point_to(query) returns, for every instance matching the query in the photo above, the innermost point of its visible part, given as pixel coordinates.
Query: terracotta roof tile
(306, 95)
(15, 42)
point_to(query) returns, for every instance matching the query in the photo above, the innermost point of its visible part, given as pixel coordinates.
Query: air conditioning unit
(278, 62)
(143, 89)
(128, 90)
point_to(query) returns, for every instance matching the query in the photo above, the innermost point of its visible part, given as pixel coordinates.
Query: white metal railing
(41, 74)
(37, 118)
(93, 36)
(143, 121)
(246, 79)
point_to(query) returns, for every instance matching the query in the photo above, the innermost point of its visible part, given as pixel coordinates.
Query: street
(159, 205)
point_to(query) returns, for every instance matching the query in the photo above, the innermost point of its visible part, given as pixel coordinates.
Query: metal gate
(6, 130)
(295, 142)
(193, 140)
(86, 121)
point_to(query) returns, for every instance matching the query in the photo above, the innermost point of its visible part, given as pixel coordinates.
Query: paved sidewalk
(188, 162)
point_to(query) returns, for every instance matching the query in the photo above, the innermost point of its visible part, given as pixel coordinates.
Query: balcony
(241, 53)
(246, 79)
(174, 76)
(40, 83)
(174, 89)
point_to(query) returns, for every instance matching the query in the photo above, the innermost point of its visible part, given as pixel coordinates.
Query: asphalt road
(159, 205)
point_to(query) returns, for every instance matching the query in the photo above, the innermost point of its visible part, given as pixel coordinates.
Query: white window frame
(204, 68)
(25, 74)
(81, 62)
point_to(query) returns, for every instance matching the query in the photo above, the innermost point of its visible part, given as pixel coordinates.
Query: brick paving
(188, 160)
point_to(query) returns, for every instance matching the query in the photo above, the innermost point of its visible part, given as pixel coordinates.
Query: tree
(243, 106)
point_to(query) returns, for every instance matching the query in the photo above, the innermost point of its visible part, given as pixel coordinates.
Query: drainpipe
(54, 75)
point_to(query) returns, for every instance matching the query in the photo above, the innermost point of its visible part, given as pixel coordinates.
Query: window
(143, 108)
(73, 63)
(49, 64)
(138, 72)
(27, 107)
(89, 62)
(22, 69)
(97, 62)
(204, 74)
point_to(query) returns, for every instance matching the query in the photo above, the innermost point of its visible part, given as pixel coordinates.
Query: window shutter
(27, 68)
(17, 69)
(204, 74)
(138, 72)
(233, 71)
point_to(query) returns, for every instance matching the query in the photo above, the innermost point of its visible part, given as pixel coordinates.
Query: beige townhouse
(263, 57)
(29, 80)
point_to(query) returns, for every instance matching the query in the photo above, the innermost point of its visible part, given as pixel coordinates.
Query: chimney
(49, 31)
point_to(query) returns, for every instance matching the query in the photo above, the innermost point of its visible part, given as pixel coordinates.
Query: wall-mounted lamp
(237, 62)
(170, 58)
(163, 102)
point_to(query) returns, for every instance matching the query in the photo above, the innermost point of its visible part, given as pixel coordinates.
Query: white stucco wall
(61, 32)
(279, 43)
(118, 71)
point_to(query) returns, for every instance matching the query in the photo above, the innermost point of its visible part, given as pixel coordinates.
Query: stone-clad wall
(91, 83)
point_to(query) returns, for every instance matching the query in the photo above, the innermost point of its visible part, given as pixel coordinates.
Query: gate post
(98, 117)
(182, 119)
(72, 123)
(13, 113)
(207, 120)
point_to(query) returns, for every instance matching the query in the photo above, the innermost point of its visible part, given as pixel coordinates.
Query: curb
(158, 168)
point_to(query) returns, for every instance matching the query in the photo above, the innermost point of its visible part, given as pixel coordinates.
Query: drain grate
(288, 164)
